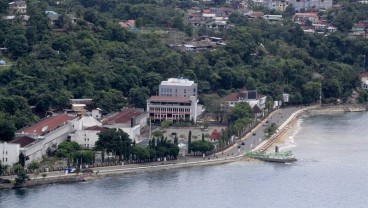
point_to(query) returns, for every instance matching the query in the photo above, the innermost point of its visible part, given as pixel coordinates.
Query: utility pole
(320, 93)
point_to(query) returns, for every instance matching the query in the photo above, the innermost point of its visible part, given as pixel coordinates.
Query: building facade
(178, 87)
(172, 108)
(9, 153)
(87, 137)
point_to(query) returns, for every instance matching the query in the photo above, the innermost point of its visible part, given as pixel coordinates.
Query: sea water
(331, 171)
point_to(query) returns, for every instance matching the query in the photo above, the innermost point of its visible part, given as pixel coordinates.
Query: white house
(131, 121)
(251, 97)
(48, 133)
(87, 137)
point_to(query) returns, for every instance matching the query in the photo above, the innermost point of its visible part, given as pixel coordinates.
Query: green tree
(22, 159)
(115, 141)
(21, 178)
(189, 142)
(34, 165)
(138, 97)
(241, 110)
(202, 146)
(7, 127)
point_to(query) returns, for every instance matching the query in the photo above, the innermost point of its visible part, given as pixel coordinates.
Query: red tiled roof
(123, 116)
(215, 135)
(96, 128)
(231, 97)
(52, 123)
(127, 24)
(168, 99)
(23, 141)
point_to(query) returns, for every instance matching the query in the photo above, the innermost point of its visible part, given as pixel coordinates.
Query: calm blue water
(331, 172)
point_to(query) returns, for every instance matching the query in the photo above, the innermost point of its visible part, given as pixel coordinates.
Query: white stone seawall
(279, 132)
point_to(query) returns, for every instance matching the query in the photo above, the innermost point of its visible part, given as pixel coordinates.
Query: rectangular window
(6, 159)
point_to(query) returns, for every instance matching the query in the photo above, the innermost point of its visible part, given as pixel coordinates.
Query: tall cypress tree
(189, 141)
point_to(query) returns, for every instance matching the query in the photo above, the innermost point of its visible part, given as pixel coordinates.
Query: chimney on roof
(131, 122)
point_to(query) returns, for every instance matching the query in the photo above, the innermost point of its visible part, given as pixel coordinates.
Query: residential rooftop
(23, 141)
(97, 128)
(46, 125)
(123, 116)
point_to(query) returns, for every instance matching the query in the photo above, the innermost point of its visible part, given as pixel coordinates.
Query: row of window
(5, 152)
(6, 160)
(174, 110)
(167, 90)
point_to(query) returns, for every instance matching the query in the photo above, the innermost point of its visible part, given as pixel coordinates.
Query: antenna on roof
(44, 128)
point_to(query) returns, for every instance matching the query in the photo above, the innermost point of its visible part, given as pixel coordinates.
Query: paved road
(257, 135)
(250, 141)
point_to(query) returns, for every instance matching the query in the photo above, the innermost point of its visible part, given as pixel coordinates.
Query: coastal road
(257, 135)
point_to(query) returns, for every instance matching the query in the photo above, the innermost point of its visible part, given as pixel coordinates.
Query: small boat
(280, 157)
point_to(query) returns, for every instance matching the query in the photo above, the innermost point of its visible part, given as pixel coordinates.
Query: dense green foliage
(202, 146)
(21, 178)
(118, 142)
(115, 141)
(96, 58)
(73, 153)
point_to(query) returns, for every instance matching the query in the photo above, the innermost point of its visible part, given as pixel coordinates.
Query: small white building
(87, 137)
(84, 121)
(251, 97)
(131, 121)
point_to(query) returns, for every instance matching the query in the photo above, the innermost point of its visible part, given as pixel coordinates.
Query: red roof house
(215, 135)
(124, 116)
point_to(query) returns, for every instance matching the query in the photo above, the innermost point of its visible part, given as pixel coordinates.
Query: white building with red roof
(48, 133)
(130, 120)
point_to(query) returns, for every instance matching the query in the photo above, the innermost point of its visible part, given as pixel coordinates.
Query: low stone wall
(123, 171)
